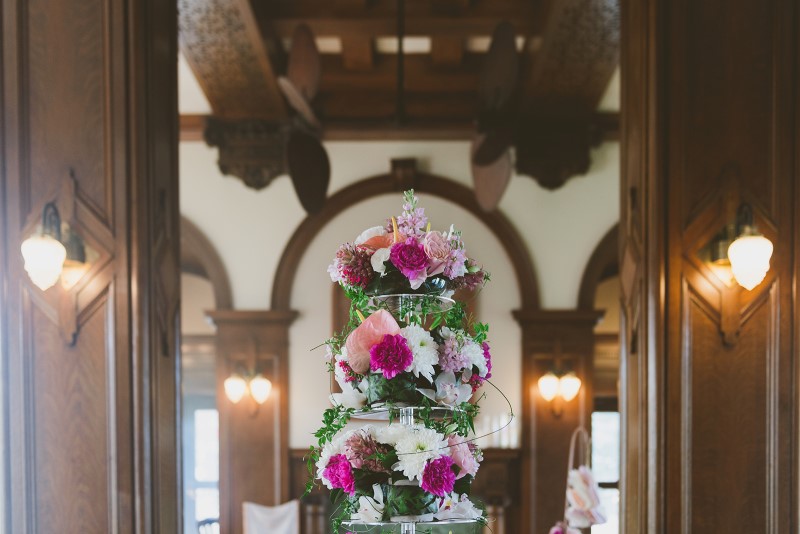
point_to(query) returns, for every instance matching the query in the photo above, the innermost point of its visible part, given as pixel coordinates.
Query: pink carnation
(410, 259)
(368, 334)
(463, 456)
(392, 356)
(340, 474)
(438, 477)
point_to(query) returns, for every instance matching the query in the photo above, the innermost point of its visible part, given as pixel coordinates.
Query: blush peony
(365, 336)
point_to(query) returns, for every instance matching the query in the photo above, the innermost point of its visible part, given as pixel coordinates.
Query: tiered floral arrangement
(409, 351)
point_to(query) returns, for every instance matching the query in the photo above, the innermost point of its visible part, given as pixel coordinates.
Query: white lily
(370, 509)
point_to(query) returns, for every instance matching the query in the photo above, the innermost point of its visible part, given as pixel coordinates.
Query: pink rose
(368, 334)
(437, 248)
(462, 456)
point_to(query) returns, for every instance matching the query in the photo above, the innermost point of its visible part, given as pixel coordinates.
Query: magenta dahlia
(438, 477)
(391, 356)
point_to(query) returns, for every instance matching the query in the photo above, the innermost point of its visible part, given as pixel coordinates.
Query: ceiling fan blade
(304, 63)
(309, 169)
(489, 147)
(500, 68)
(297, 101)
(491, 180)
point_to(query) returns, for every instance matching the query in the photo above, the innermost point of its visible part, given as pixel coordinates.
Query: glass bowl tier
(448, 526)
(403, 305)
(408, 415)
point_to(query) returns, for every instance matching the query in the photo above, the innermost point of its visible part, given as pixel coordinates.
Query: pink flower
(340, 474)
(410, 259)
(368, 334)
(437, 248)
(488, 356)
(463, 456)
(392, 356)
(363, 452)
(438, 477)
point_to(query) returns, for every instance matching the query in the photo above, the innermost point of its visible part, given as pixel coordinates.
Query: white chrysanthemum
(415, 448)
(424, 349)
(332, 448)
(474, 352)
(391, 434)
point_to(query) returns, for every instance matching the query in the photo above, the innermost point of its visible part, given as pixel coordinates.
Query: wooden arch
(603, 264)
(405, 176)
(199, 257)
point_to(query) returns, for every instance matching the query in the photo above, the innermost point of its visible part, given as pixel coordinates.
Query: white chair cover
(282, 519)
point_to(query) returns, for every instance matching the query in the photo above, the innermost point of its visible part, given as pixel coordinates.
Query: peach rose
(369, 333)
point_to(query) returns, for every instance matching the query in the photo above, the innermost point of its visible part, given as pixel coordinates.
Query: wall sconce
(743, 250)
(49, 257)
(237, 386)
(558, 388)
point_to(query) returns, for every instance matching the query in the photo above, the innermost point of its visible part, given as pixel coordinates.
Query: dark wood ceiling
(237, 48)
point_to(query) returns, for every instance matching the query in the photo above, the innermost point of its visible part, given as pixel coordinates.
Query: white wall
(250, 229)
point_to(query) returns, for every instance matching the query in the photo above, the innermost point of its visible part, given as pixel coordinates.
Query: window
(201, 461)
(606, 461)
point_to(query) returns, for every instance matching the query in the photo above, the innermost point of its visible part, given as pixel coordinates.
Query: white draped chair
(282, 519)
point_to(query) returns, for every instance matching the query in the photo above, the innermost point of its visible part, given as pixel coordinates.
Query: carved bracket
(553, 151)
(253, 150)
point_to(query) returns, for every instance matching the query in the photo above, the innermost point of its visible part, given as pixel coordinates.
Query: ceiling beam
(224, 48)
(576, 58)
(192, 127)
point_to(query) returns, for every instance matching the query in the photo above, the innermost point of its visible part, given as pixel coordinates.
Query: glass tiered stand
(407, 416)
(406, 308)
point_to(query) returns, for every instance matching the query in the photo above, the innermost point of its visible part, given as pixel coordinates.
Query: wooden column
(709, 369)
(254, 440)
(549, 338)
(88, 121)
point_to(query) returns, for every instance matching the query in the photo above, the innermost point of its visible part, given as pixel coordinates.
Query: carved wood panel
(90, 122)
(708, 123)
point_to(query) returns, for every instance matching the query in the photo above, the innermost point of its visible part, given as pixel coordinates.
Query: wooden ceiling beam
(576, 57)
(358, 53)
(373, 27)
(421, 75)
(224, 48)
(192, 127)
(447, 51)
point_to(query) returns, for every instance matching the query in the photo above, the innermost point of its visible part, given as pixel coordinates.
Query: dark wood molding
(199, 257)
(254, 440)
(91, 437)
(193, 128)
(405, 176)
(690, 83)
(603, 264)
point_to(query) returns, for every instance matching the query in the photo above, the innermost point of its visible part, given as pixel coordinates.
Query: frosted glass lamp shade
(749, 256)
(235, 388)
(548, 386)
(260, 388)
(569, 385)
(44, 259)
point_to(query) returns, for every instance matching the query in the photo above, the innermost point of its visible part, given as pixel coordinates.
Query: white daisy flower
(415, 448)
(424, 349)
(391, 434)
